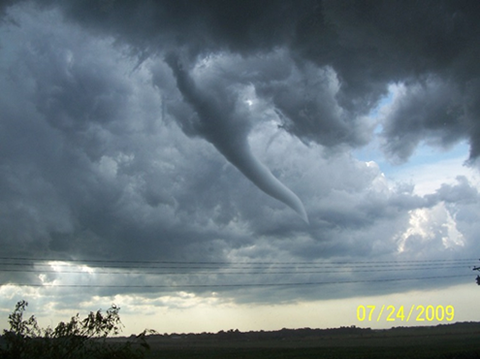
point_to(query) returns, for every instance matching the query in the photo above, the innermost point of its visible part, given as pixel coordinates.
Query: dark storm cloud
(102, 142)
(462, 193)
(88, 167)
(430, 111)
(431, 47)
(367, 44)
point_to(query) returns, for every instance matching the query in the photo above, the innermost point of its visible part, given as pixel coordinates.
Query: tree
(77, 338)
(478, 276)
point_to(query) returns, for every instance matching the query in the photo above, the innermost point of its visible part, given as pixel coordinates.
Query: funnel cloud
(220, 125)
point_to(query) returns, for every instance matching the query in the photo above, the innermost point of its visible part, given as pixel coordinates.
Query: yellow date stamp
(416, 313)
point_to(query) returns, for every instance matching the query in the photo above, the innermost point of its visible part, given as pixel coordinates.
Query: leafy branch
(74, 339)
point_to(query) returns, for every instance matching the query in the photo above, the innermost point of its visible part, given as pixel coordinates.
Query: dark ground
(459, 341)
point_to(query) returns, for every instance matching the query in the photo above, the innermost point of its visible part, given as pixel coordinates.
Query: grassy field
(459, 341)
(319, 353)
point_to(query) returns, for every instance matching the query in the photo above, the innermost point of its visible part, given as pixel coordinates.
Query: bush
(77, 338)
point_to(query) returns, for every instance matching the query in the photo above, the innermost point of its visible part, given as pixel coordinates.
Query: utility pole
(478, 276)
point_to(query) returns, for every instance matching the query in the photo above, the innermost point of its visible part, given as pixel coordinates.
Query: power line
(234, 285)
(193, 269)
(353, 267)
(362, 270)
(191, 265)
(369, 263)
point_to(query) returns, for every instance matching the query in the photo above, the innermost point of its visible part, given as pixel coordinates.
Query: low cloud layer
(188, 131)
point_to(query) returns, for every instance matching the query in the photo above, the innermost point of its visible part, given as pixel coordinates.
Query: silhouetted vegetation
(78, 338)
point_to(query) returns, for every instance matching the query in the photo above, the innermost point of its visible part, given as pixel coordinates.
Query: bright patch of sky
(427, 168)
(185, 313)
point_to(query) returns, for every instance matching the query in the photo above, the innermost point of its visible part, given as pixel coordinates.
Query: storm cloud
(179, 130)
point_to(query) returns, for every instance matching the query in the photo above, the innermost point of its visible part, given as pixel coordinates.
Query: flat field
(459, 341)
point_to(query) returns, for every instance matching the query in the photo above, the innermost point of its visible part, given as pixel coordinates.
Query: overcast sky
(247, 142)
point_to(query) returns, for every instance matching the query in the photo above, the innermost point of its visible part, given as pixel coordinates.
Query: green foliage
(77, 338)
